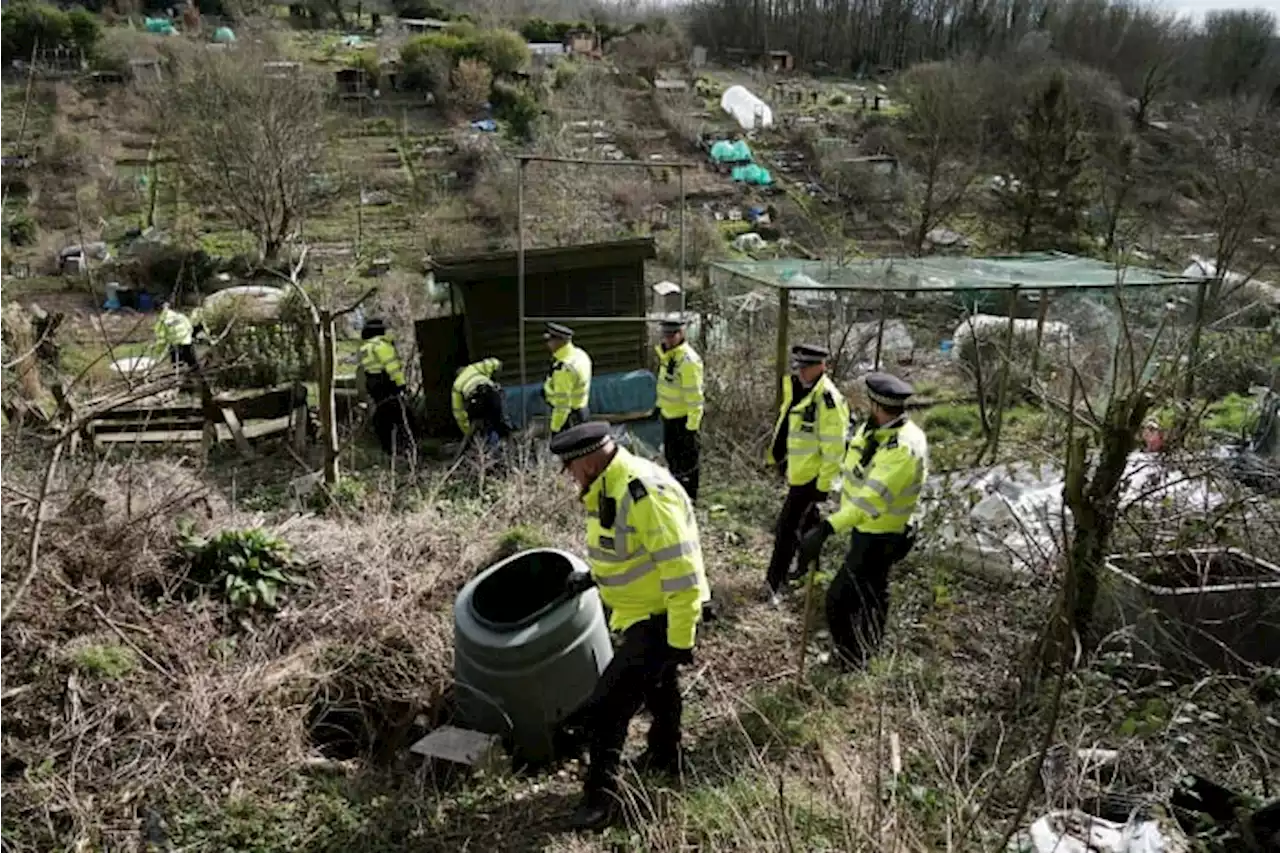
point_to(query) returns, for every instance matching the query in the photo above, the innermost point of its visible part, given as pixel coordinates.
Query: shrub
(1233, 361)
(367, 61)
(471, 81)
(518, 107)
(260, 355)
(427, 62)
(250, 566)
(503, 50)
(28, 24)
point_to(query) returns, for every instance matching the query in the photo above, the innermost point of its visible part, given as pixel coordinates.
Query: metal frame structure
(889, 290)
(523, 160)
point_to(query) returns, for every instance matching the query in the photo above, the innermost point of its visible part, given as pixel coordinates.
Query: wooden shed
(603, 280)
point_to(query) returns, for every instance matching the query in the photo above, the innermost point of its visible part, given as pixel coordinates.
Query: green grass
(1235, 413)
(106, 662)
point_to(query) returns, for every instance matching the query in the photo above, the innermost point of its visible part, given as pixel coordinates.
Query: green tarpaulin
(731, 152)
(224, 35)
(753, 174)
(163, 26)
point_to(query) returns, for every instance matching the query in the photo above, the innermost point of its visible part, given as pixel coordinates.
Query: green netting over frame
(1039, 271)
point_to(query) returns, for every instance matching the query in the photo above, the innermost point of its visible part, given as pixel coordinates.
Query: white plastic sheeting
(1011, 515)
(136, 365)
(990, 327)
(1079, 832)
(747, 110)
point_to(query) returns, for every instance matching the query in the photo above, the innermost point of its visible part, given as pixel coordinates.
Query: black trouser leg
(626, 684)
(183, 354)
(799, 514)
(662, 699)
(858, 599)
(388, 409)
(681, 446)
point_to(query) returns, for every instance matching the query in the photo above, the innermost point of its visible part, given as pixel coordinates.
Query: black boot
(596, 812)
(660, 762)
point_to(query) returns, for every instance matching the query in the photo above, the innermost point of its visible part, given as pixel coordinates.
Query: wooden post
(783, 359)
(1003, 393)
(808, 620)
(1040, 318)
(328, 406)
(884, 304)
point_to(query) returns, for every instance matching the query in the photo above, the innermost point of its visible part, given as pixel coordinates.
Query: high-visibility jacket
(568, 386)
(173, 329)
(680, 385)
(378, 355)
(817, 426)
(470, 378)
(882, 483)
(642, 544)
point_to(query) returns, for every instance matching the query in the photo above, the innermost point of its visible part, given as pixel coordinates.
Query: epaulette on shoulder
(891, 443)
(637, 489)
(829, 399)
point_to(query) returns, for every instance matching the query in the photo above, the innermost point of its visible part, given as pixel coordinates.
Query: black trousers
(484, 409)
(389, 414)
(858, 598)
(682, 447)
(799, 515)
(183, 354)
(641, 675)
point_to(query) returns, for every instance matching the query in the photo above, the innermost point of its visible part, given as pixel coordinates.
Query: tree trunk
(328, 420)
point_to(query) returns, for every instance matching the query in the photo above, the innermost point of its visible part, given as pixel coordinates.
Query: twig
(33, 547)
(131, 644)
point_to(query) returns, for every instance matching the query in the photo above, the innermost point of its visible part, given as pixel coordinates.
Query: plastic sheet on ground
(136, 365)
(252, 301)
(1009, 516)
(612, 393)
(1079, 832)
(162, 26)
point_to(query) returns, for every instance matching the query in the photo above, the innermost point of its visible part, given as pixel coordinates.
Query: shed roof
(1031, 271)
(465, 269)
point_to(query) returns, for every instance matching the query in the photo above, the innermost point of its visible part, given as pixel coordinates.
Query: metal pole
(524, 367)
(1040, 318)
(784, 319)
(683, 296)
(884, 302)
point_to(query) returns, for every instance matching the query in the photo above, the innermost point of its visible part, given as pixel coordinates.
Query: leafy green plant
(251, 567)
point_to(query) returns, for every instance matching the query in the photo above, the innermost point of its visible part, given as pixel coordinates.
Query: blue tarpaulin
(611, 394)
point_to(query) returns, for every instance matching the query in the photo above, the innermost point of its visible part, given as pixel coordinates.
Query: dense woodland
(1232, 53)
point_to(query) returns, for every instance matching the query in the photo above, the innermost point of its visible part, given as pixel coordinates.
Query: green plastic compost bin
(526, 655)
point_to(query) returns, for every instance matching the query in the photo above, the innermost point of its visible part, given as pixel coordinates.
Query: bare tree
(248, 144)
(943, 129)
(1239, 189)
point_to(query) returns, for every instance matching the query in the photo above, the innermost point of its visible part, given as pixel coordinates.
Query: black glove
(811, 545)
(679, 657)
(577, 583)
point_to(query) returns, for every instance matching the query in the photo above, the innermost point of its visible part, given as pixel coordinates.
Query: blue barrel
(525, 654)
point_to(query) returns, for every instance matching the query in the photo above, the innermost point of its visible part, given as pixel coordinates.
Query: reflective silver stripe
(832, 439)
(629, 576)
(672, 551)
(900, 510)
(600, 555)
(880, 489)
(866, 506)
(677, 584)
(910, 491)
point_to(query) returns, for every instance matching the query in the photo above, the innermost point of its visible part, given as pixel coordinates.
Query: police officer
(383, 381)
(680, 404)
(477, 403)
(642, 544)
(884, 471)
(568, 386)
(174, 331)
(808, 445)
